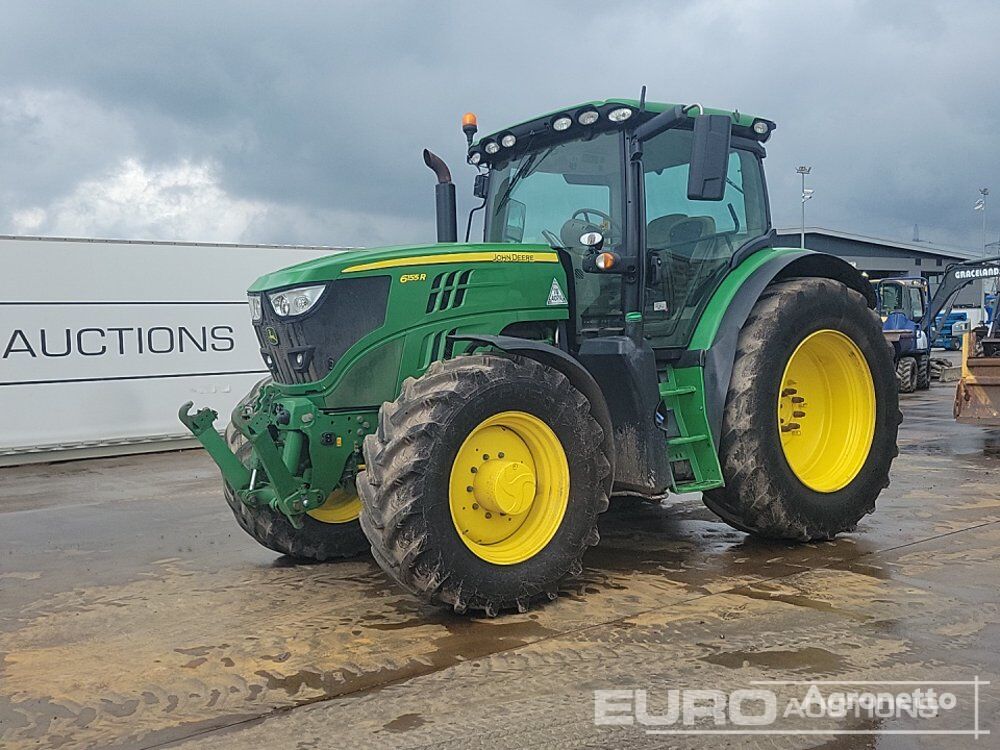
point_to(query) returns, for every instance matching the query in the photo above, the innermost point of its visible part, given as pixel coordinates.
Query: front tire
(811, 416)
(483, 483)
(317, 540)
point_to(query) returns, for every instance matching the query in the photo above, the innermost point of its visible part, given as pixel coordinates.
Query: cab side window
(917, 302)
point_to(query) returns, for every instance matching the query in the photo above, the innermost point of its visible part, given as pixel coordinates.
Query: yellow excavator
(977, 396)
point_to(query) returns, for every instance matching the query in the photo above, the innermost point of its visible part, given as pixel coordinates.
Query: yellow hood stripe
(479, 257)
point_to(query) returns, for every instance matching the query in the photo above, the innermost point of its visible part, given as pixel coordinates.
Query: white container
(102, 340)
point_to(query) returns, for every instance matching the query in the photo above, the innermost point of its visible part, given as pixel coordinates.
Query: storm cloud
(302, 122)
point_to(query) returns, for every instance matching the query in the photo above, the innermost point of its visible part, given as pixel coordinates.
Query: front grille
(348, 310)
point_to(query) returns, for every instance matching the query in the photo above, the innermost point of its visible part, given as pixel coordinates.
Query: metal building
(879, 257)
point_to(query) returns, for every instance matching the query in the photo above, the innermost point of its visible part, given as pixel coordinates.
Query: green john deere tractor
(629, 326)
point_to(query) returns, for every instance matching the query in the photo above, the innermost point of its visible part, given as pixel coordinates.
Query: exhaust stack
(444, 199)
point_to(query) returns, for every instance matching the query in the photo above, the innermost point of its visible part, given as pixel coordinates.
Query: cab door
(689, 244)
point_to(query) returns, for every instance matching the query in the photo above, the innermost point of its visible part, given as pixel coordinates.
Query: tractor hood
(351, 262)
(371, 299)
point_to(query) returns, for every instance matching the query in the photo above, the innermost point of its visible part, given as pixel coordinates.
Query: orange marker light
(605, 261)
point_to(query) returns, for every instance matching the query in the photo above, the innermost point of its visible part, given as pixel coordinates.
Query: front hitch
(286, 493)
(202, 426)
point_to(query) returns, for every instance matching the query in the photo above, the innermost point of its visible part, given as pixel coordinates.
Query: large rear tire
(483, 483)
(811, 415)
(316, 541)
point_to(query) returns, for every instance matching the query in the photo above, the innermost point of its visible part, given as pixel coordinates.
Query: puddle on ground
(808, 659)
(405, 723)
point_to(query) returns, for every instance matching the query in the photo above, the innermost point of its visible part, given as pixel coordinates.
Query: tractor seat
(692, 228)
(658, 230)
(679, 230)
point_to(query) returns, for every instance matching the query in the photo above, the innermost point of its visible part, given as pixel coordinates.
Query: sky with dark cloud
(303, 122)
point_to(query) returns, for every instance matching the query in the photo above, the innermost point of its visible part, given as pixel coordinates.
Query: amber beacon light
(469, 125)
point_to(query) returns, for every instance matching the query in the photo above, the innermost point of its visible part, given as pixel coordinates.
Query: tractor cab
(904, 294)
(641, 225)
(902, 303)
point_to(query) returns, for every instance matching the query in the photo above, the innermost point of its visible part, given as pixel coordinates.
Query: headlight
(255, 307)
(619, 115)
(295, 301)
(491, 147)
(588, 117)
(561, 123)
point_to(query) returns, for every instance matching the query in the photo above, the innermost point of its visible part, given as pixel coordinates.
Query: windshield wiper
(529, 165)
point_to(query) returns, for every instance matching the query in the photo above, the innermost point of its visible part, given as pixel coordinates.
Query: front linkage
(303, 452)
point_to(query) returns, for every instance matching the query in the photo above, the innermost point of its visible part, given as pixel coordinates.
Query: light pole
(980, 206)
(806, 195)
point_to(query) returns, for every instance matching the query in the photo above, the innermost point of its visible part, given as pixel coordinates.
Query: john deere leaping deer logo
(271, 335)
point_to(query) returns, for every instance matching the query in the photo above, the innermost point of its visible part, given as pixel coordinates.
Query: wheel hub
(791, 407)
(506, 487)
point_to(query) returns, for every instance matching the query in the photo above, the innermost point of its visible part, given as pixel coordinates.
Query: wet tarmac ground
(135, 613)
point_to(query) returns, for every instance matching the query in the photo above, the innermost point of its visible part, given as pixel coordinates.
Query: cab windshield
(904, 298)
(555, 194)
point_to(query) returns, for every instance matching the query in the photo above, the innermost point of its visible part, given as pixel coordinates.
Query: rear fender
(720, 357)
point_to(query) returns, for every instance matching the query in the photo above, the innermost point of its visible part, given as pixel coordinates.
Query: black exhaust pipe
(444, 199)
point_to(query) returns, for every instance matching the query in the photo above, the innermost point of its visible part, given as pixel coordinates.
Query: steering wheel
(585, 213)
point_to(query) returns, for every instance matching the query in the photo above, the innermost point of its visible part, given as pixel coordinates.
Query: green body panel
(704, 333)
(496, 294)
(331, 266)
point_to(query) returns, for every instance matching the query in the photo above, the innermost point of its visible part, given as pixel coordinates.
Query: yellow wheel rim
(826, 411)
(339, 507)
(509, 487)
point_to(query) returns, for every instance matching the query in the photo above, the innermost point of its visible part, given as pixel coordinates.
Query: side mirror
(709, 158)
